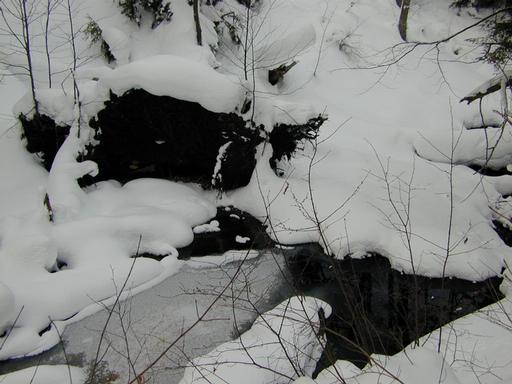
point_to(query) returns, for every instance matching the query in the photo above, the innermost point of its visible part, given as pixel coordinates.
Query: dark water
(377, 309)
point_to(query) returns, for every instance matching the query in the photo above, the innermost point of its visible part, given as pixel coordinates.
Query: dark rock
(46, 329)
(503, 232)
(232, 223)
(143, 135)
(286, 138)
(488, 171)
(43, 136)
(277, 74)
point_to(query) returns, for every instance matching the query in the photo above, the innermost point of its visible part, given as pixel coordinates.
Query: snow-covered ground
(380, 179)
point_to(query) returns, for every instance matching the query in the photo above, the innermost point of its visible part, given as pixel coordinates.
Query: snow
(486, 87)
(242, 239)
(417, 365)
(383, 159)
(217, 170)
(6, 307)
(286, 47)
(397, 123)
(212, 226)
(169, 75)
(118, 43)
(64, 193)
(95, 233)
(279, 344)
(472, 349)
(45, 374)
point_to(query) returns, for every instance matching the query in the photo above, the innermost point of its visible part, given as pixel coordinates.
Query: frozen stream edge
(155, 317)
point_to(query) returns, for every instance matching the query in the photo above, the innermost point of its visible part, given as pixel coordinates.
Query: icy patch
(228, 257)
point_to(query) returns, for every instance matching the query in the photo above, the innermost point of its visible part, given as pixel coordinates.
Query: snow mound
(280, 343)
(118, 42)
(6, 307)
(45, 374)
(413, 365)
(93, 242)
(168, 75)
(286, 47)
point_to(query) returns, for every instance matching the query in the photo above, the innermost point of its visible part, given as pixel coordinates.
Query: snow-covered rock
(280, 343)
(184, 79)
(118, 43)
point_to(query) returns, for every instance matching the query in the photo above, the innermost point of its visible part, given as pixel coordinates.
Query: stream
(375, 309)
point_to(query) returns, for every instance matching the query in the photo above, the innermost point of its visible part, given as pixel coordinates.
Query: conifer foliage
(498, 42)
(135, 9)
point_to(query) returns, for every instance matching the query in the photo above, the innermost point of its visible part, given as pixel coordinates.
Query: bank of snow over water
(280, 343)
(94, 245)
(380, 180)
(45, 374)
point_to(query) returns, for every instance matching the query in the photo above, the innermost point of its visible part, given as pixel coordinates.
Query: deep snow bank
(280, 343)
(174, 76)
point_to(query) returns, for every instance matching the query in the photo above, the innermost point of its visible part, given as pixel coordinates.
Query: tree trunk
(402, 22)
(27, 47)
(199, 35)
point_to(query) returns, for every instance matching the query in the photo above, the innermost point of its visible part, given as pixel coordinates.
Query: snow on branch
(490, 86)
